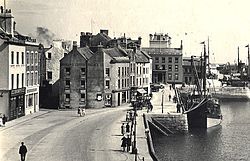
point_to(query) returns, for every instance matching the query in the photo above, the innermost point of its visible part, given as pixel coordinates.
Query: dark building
(73, 77)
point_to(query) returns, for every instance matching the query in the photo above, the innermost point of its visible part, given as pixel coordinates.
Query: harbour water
(229, 141)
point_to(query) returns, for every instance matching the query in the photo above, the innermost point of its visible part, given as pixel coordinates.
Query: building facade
(108, 78)
(73, 78)
(166, 61)
(188, 75)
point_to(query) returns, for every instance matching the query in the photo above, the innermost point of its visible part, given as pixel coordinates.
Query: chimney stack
(74, 45)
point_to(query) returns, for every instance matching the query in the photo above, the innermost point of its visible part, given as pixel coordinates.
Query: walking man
(22, 151)
(178, 106)
(4, 119)
(169, 97)
(128, 143)
(123, 129)
(127, 128)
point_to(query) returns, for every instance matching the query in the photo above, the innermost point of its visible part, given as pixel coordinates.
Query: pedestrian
(127, 128)
(22, 151)
(124, 143)
(79, 111)
(128, 143)
(178, 106)
(127, 116)
(130, 115)
(83, 112)
(122, 129)
(170, 87)
(4, 119)
(169, 97)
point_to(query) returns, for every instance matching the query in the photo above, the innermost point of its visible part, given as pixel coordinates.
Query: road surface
(63, 136)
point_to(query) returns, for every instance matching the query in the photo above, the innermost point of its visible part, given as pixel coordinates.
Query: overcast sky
(226, 22)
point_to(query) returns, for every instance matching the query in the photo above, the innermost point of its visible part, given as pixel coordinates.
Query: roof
(85, 52)
(140, 57)
(118, 55)
(99, 38)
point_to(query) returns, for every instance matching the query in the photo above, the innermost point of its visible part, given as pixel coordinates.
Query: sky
(225, 22)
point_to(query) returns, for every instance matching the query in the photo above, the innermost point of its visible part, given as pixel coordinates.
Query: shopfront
(16, 105)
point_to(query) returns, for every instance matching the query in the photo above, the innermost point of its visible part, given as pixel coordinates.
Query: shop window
(123, 97)
(67, 97)
(169, 76)
(176, 76)
(30, 100)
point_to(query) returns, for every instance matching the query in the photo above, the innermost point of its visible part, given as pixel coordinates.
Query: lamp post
(162, 97)
(134, 150)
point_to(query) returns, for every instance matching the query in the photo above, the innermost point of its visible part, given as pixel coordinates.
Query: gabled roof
(85, 52)
(118, 55)
(99, 38)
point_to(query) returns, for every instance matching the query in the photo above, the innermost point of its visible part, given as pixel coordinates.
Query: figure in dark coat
(122, 129)
(4, 119)
(128, 143)
(127, 128)
(22, 151)
(124, 143)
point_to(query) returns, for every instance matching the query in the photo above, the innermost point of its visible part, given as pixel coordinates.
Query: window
(122, 71)
(22, 57)
(119, 72)
(127, 70)
(17, 57)
(156, 59)
(176, 76)
(67, 83)
(49, 55)
(170, 59)
(49, 74)
(31, 79)
(119, 83)
(107, 72)
(107, 84)
(83, 71)
(156, 67)
(67, 97)
(12, 57)
(67, 70)
(12, 81)
(36, 58)
(170, 68)
(31, 58)
(27, 57)
(17, 81)
(163, 67)
(83, 97)
(144, 70)
(176, 60)
(122, 83)
(30, 102)
(35, 99)
(22, 79)
(176, 68)
(28, 79)
(163, 59)
(35, 79)
(169, 76)
(128, 82)
(83, 84)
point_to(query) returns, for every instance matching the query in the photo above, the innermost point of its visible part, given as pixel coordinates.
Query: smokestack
(74, 45)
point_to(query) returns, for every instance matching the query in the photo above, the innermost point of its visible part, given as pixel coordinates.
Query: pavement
(142, 146)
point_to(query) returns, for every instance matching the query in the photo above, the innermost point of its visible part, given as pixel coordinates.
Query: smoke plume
(44, 36)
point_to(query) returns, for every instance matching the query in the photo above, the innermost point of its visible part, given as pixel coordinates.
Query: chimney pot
(74, 44)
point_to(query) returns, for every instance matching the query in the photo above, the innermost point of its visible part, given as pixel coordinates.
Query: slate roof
(85, 52)
(118, 55)
(140, 56)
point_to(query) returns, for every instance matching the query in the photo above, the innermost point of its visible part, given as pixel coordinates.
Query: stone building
(20, 70)
(108, 78)
(49, 89)
(166, 61)
(73, 77)
(188, 75)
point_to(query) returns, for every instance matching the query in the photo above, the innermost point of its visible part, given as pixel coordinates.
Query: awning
(142, 91)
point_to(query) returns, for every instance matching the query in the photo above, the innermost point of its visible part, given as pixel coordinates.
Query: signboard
(16, 92)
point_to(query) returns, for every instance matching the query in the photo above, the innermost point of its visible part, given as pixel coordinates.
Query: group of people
(3, 120)
(81, 111)
(127, 132)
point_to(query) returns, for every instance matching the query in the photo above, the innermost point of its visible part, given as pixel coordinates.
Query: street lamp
(162, 101)
(134, 149)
